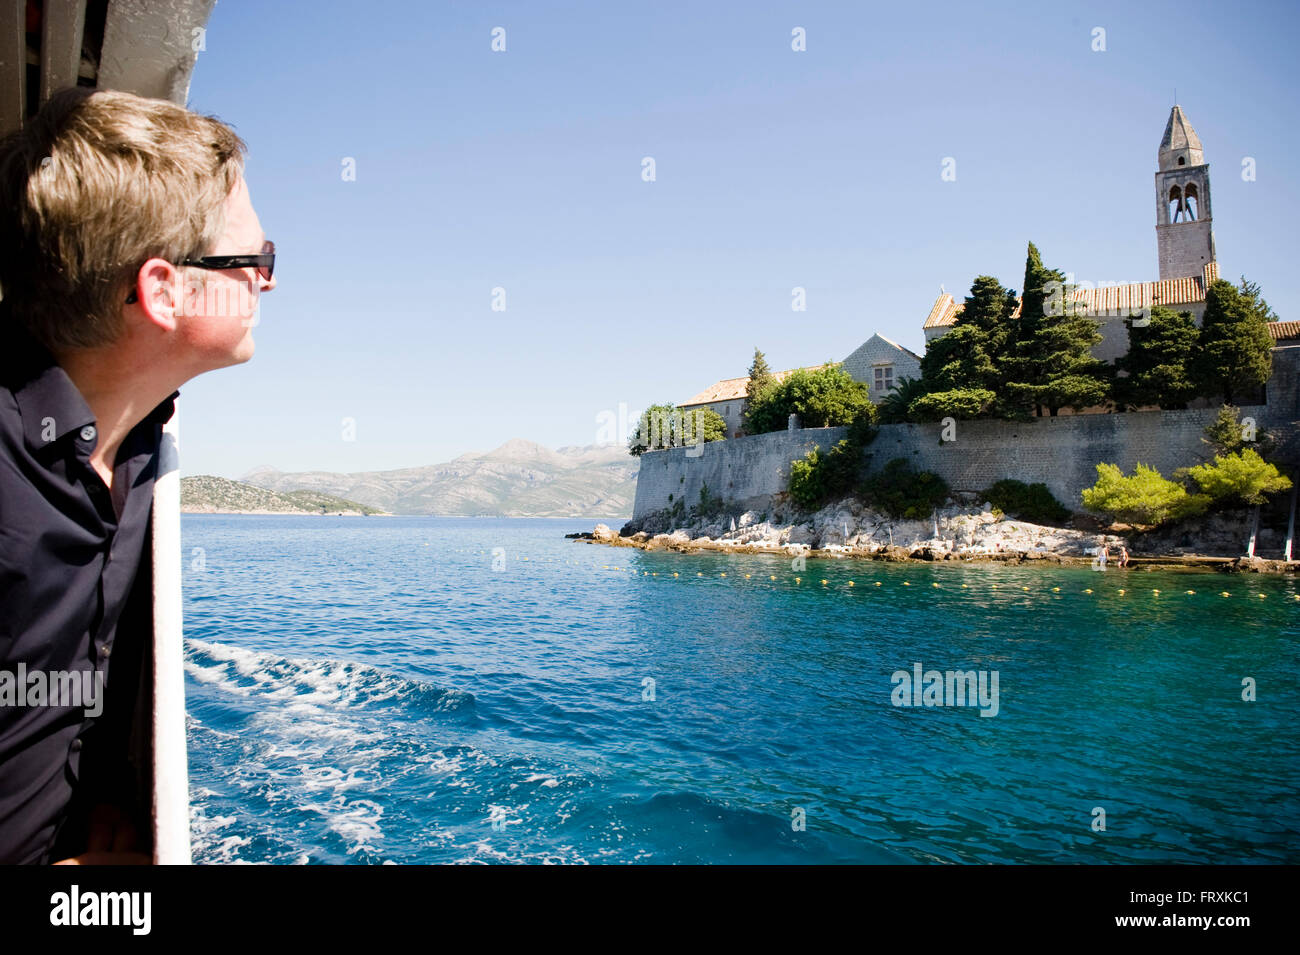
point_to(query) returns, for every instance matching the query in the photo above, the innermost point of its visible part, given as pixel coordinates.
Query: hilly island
(518, 479)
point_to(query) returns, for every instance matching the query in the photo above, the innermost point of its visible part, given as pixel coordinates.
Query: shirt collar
(49, 403)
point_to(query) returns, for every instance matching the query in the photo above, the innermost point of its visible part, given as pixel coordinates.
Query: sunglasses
(264, 262)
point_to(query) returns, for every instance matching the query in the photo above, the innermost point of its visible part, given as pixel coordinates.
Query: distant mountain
(205, 494)
(518, 479)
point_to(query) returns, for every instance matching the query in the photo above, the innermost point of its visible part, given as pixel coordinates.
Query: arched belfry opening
(1189, 202)
(1175, 204)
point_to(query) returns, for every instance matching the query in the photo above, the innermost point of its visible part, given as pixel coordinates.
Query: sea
(444, 690)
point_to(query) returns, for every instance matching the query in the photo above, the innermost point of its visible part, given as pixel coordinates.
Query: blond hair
(97, 183)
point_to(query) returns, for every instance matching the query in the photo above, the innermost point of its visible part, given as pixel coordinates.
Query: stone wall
(1060, 452)
(1184, 248)
(744, 471)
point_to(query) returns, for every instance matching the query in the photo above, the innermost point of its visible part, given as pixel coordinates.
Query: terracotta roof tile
(942, 313)
(1284, 331)
(1116, 300)
(729, 389)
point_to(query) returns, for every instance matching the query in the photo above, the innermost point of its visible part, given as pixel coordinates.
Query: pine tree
(1235, 348)
(1158, 361)
(970, 358)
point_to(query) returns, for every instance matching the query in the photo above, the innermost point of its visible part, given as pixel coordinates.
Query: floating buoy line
(1156, 592)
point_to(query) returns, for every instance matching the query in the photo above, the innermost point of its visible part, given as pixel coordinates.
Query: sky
(523, 170)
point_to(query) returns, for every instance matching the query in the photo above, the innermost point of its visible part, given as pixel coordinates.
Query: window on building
(884, 378)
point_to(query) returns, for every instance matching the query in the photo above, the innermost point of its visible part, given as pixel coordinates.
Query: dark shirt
(70, 575)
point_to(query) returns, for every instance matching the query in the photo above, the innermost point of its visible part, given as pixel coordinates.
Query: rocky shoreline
(961, 531)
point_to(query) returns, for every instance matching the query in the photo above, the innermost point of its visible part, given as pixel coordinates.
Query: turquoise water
(373, 690)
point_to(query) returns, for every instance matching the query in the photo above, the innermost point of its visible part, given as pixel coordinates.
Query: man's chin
(245, 350)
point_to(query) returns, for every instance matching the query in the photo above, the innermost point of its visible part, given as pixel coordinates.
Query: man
(131, 260)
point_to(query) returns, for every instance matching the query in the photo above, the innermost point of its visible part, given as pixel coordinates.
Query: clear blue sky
(775, 169)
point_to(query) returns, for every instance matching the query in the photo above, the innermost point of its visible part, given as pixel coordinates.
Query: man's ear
(161, 295)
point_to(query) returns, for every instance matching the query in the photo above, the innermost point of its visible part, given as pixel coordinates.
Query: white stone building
(881, 363)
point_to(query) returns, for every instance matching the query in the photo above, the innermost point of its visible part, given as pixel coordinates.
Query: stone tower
(1184, 228)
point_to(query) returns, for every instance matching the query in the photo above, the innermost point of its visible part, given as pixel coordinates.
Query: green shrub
(806, 487)
(822, 398)
(957, 403)
(900, 491)
(1029, 502)
(818, 477)
(1242, 477)
(1143, 497)
(710, 505)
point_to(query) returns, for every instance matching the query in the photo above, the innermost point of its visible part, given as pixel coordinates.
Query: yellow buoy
(1122, 592)
(796, 580)
(877, 583)
(1225, 594)
(771, 576)
(747, 576)
(1087, 590)
(699, 574)
(724, 573)
(1024, 588)
(823, 582)
(1189, 592)
(906, 584)
(934, 585)
(674, 573)
(963, 587)
(1261, 596)
(1056, 590)
(850, 583)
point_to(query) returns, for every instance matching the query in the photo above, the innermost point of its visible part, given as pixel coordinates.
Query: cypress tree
(1051, 365)
(760, 380)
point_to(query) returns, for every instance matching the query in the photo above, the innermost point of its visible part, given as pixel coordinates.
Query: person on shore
(1123, 556)
(1103, 555)
(131, 261)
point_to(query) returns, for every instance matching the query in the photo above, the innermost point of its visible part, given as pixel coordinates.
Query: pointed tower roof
(1180, 142)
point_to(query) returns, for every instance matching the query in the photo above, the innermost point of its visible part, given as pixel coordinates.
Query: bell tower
(1184, 227)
